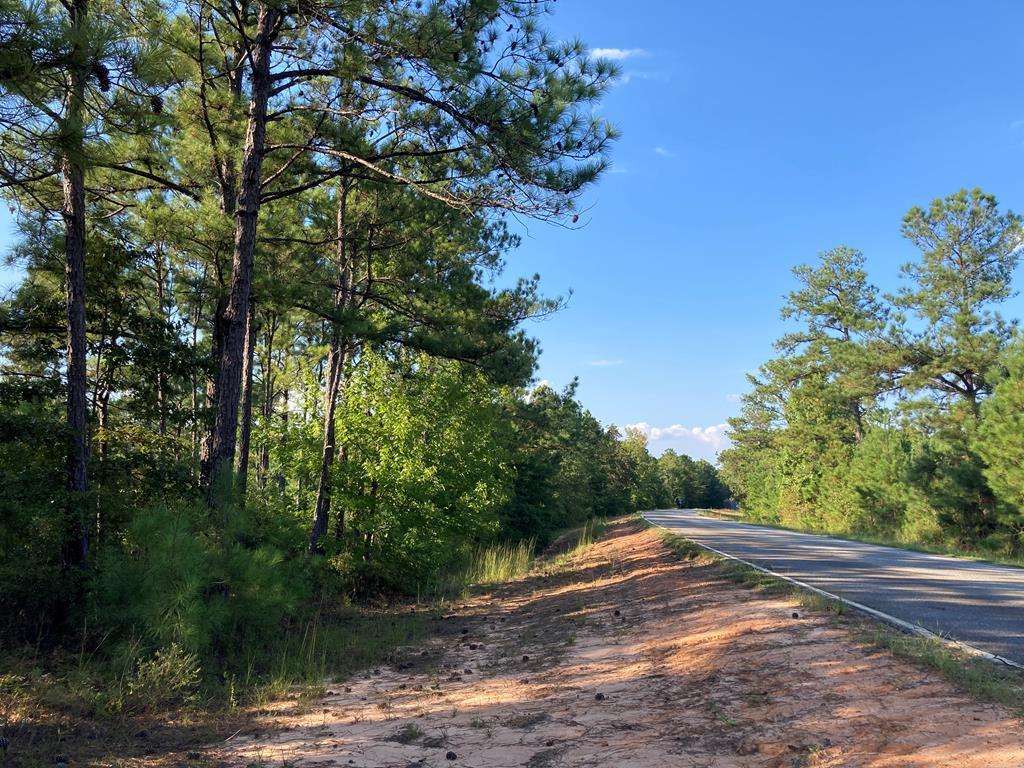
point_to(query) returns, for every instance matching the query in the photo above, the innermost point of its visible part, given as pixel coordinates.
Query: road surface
(974, 603)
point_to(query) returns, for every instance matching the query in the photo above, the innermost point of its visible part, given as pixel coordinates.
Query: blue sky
(754, 136)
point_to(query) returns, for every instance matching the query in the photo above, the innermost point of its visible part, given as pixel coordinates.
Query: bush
(169, 678)
(224, 598)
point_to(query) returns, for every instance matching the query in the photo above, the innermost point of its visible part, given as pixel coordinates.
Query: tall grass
(502, 562)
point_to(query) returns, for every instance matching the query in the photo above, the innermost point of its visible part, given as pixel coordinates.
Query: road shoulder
(628, 656)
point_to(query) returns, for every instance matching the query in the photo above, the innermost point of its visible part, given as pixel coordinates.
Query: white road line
(915, 629)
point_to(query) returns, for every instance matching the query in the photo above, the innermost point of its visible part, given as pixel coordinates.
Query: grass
(486, 566)
(50, 703)
(573, 543)
(336, 646)
(500, 563)
(980, 678)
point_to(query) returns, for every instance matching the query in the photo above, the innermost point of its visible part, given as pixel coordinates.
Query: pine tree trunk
(336, 359)
(73, 184)
(246, 428)
(228, 382)
(161, 372)
(268, 400)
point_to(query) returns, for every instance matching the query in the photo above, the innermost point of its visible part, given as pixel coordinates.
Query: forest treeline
(263, 358)
(896, 416)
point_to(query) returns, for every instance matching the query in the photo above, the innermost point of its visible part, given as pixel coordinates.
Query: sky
(754, 136)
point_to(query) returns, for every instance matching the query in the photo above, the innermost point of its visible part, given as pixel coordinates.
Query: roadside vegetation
(984, 679)
(896, 418)
(263, 404)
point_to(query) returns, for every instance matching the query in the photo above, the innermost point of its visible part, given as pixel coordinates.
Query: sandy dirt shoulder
(628, 657)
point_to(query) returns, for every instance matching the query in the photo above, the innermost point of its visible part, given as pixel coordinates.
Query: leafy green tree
(646, 488)
(999, 441)
(70, 74)
(969, 251)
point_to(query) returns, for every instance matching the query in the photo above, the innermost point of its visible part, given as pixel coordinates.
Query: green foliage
(386, 394)
(999, 441)
(877, 418)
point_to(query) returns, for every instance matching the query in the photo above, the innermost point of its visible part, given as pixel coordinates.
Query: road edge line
(915, 629)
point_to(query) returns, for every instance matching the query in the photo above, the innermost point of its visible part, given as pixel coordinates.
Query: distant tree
(647, 490)
(679, 476)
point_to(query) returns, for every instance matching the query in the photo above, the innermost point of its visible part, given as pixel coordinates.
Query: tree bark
(268, 400)
(336, 359)
(73, 185)
(246, 427)
(161, 372)
(228, 382)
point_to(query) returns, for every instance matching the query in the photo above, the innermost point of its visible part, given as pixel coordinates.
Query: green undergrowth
(486, 566)
(337, 639)
(573, 543)
(981, 678)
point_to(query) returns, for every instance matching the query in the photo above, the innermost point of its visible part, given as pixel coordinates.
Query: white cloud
(529, 394)
(698, 442)
(661, 151)
(617, 54)
(605, 363)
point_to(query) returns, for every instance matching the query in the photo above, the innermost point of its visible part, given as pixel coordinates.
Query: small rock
(526, 658)
(347, 689)
(796, 615)
(549, 743)
(451, 755)
(60, 759)
(472, 646)
(599, 696)
(424, 654)
(465, 631)
(195, 756)
(467, 671)
(618, 612)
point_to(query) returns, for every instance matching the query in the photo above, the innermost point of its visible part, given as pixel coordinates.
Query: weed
(545, 758)
(526, 719)
(407, 734)
(979, 677)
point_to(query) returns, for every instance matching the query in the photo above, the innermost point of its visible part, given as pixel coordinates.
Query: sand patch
(631, 658)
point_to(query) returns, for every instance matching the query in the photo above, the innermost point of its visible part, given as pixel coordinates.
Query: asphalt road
(975, 603)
